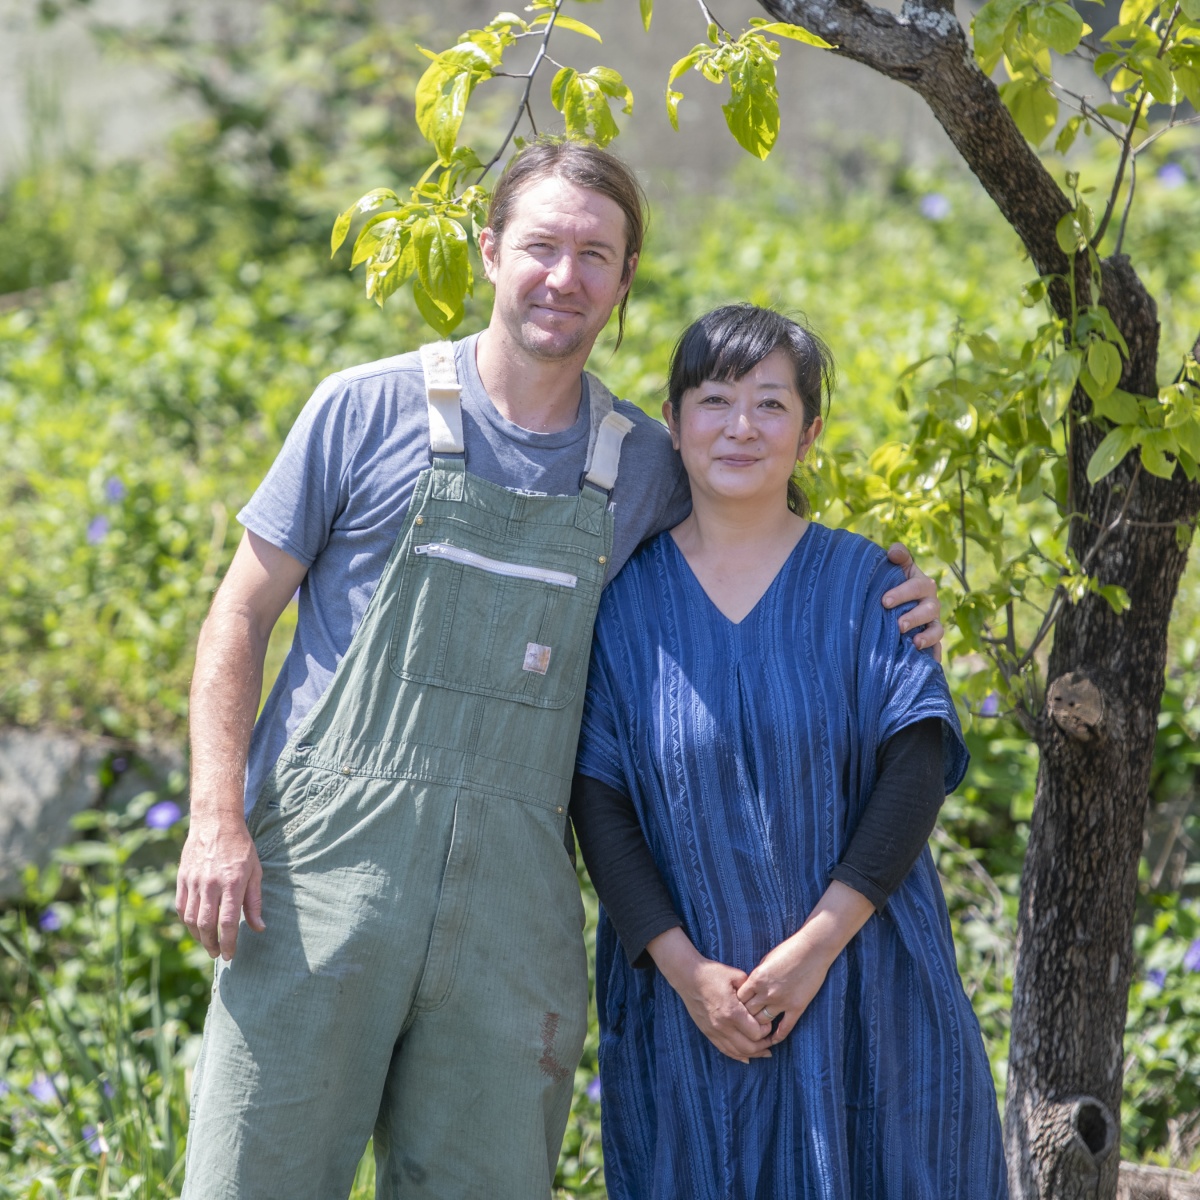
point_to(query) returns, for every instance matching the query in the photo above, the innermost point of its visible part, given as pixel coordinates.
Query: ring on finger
(766, 1012)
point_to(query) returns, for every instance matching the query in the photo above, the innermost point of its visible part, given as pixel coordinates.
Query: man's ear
(489, 251)
(669, 417)
(627, 278)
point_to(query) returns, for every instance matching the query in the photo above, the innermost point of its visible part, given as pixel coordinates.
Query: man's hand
(219, 878)
(219, 872)
(916, 586)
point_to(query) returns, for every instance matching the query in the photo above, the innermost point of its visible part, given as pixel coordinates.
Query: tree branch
(926, 48)
(1128, 142)
(523, 104)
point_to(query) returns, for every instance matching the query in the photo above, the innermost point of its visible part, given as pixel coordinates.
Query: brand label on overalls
(537, 658)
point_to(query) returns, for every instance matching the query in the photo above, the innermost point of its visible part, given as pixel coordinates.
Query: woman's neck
(737, 531)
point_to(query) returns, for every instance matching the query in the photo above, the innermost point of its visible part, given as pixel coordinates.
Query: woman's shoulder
(852, 558)
(639, 579)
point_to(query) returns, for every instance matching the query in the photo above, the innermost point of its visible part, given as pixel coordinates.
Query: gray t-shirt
(337, 495)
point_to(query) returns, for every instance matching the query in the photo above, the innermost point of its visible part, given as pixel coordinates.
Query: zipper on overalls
(495, 566)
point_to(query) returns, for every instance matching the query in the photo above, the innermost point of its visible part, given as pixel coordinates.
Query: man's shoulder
(398, 367)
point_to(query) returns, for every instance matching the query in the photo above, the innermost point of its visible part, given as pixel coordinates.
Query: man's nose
(563, 274)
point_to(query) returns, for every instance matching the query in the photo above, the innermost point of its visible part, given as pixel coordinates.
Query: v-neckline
(783, 567)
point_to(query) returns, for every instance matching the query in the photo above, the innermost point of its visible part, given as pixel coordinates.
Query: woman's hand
(791, 974)
(916, 586)
(708, 990)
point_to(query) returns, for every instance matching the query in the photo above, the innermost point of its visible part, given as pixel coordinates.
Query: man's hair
(587, 166)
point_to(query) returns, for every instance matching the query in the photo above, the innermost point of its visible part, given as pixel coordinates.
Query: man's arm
(916, 586)
(219, 872)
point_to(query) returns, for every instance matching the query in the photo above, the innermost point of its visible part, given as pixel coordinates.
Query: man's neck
(537, 394)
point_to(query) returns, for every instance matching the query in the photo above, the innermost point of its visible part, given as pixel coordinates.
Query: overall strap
(604, 441)
(442, 392)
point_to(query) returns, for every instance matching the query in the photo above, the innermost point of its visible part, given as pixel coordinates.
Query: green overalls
(422, 977)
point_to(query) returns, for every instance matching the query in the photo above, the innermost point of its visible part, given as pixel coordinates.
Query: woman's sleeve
(599, 754)
(898, 684)
(621, 866)
(900, 814)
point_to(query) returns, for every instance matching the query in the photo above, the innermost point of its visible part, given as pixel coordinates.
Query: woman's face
(740, 441)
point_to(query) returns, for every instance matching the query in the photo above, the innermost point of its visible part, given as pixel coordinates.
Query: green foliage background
(160, 326)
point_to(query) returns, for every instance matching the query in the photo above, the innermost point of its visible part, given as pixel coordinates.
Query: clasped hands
(736, 1010)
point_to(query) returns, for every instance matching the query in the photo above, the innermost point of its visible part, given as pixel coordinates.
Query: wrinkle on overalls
(411, 834)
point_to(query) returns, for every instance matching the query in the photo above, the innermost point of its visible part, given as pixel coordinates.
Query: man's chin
(554, 345)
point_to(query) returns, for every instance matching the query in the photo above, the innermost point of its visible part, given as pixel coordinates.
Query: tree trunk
(1106, 671)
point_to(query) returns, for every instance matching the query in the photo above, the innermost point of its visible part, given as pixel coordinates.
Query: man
(393, 828)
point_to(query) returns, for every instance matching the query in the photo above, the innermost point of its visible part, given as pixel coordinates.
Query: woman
(754, 712)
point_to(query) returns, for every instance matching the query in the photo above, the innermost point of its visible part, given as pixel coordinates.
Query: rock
(45, 779)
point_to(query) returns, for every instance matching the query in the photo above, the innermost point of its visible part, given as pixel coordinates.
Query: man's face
(559, 270)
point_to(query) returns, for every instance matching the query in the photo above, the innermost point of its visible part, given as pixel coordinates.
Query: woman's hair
(729, 342)
(587, 166)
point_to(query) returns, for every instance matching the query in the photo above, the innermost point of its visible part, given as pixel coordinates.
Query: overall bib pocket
(490, 624)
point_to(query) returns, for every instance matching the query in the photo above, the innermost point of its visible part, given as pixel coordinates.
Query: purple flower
(94, 1139)
(108, 1089)
(1191, 958)
(96, 530)
(163, 815)
(42, 1089)
(49, 921)
(990, 706)
(1172, 175)
(4, 1088)
(1156, 979)
(118, 765)
(115, 490)
(593, 1089)
(935, 206)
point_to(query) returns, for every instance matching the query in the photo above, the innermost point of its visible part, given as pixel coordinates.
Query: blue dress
(749, 750)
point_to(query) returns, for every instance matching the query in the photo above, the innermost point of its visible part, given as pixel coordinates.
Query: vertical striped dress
(748, 750)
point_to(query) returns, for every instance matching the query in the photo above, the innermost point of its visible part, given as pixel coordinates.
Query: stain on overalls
(423, 977)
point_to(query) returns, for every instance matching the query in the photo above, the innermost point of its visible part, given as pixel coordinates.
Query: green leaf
(1110, 452)
(647, 13)
(583, 102)
(1066, 135)
(1033, 108)
(1191, 9)
(1104, 363)
(561, 22)
(442, 266)
(1187, 79)
(1060, 383)
(688, 61)
(366, 203)
(373, 234)
(752, 113)
(1155, 447)
(1157, 75)
(1119, 407)
(442, 95)
(1183, 535)
(989, 27)
(1056, 24)
(796, 32)
(442, 317)
(1069, 234)
(1117, 597)
(673, 99)
(611, 84)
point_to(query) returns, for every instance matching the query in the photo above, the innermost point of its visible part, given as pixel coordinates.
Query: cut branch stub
(1139, 1182)
(1076, 706)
